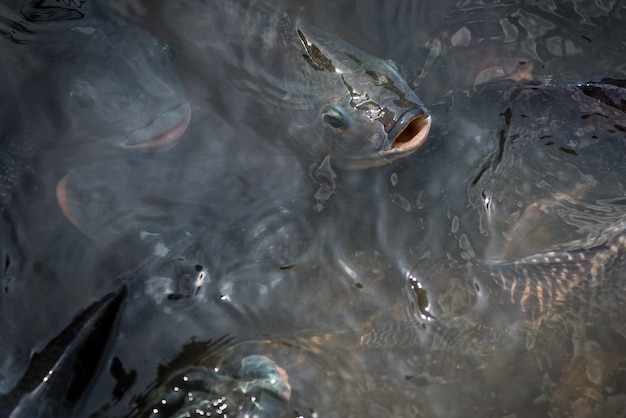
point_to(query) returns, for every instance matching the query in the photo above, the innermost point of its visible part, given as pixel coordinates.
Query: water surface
(371, 288)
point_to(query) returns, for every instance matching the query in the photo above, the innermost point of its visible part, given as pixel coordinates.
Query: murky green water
(482, 275)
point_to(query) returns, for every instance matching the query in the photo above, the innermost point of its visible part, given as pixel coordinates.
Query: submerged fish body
(552, 285)
(565, 306)
(557, 168)
(208, 182)
(539, 163)
(100, 78)
(296, 81)
(548, 159)
(567, 279)
(473, 316)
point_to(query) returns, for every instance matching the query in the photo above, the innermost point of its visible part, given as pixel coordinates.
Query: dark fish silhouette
(62, 389)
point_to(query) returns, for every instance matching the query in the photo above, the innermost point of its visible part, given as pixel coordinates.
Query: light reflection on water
(329, 295)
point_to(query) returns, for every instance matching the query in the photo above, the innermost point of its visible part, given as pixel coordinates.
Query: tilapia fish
(287, 78)
(96, 77)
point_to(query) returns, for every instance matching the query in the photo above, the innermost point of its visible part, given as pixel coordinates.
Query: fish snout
(163, 130)
(408, 132)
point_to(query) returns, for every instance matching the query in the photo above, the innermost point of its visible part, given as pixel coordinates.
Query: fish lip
(73, 208)
(70, 205)
(63, 200)
(407, 134)
(162, 131)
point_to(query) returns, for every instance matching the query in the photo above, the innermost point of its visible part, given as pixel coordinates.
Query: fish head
(372, 116)
(112, 82)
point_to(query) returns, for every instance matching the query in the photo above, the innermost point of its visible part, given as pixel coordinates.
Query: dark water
(380, 292)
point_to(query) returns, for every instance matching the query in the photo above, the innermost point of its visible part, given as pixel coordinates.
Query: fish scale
(16, 167)
(50, 70)
(554, 277)
(541, 294)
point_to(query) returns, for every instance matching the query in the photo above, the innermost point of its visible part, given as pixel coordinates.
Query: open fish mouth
(408, 133)
(64, 202)
(164, 130)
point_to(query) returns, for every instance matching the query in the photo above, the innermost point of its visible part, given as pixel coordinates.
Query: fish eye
(335, 118)
(165, 49)
(394, 66)
(82, 94)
